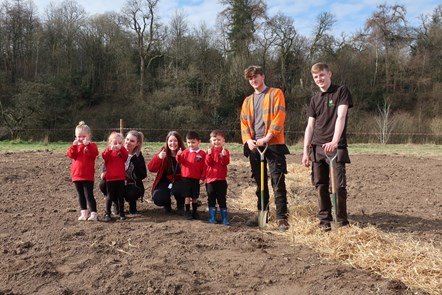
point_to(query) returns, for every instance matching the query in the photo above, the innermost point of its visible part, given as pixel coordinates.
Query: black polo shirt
(324, 108)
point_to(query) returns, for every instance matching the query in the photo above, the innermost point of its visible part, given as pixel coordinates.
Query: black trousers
(162, 193)
(85, 192)
(216, 192)
(277, 168)
(321, 180)
(115, 193)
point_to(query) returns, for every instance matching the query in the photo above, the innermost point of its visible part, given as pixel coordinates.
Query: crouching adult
(168, 180)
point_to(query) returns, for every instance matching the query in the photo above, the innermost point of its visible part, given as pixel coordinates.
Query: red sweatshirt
(115, 163)
(158, 166)
(83, 161)
(192, 164)
(216, 165)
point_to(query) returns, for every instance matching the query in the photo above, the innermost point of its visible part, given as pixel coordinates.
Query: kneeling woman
(168, 179)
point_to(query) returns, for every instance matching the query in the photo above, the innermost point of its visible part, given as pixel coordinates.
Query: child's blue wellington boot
(212, 215)
(224, 216)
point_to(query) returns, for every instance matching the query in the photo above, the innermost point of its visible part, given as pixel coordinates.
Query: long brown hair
(169, 152)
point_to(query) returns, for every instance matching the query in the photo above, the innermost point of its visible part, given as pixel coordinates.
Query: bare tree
(18, 29)
(285, 36)
(140, 16)
(387, 26)
(385, 121)
(265, 38)
(321, 39)
(178, 32)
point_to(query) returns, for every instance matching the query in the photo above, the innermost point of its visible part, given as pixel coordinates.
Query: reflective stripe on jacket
(273, 110)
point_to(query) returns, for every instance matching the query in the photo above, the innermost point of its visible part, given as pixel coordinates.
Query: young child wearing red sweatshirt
(217, 160)
(193, 172)
(115, 156)
(83, 153)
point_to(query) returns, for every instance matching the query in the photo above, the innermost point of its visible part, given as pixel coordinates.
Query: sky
(350, 14)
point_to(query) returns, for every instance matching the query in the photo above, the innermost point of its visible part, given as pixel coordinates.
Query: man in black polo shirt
(326, 133)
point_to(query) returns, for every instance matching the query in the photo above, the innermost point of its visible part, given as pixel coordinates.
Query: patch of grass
(425, 150)
(22, 145)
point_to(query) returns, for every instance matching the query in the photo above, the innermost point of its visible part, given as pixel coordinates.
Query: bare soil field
(46, 250)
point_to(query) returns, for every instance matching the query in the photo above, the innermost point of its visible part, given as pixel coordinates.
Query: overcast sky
(350, 14)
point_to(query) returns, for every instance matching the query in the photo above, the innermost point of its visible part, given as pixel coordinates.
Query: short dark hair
(215, 133)
(252, 71)
(192, 135)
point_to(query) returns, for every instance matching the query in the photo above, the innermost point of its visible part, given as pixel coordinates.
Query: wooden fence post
(121, 127)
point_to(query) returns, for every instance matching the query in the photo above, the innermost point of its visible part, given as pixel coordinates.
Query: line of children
(197, 167)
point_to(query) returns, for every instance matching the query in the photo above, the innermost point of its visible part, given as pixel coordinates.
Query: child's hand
(162, 154)
(223, 152)
(116, 147)
(209, 151)
(75, 142)
(179, 152)
(103, 175)
(201, 181)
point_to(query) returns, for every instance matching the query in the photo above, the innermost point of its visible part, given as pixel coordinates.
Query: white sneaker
(84, 215)
(93, 217)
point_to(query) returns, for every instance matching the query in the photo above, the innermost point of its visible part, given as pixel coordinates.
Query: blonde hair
(319, 67)
(83, 127)
(140, 139)
(114, 135)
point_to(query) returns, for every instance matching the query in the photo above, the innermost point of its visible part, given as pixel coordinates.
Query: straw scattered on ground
(393, 256)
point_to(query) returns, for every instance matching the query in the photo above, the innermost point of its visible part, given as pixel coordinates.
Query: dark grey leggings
(85, 191)
(115, 193)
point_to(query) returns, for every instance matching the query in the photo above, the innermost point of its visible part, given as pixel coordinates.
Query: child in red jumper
(83, 153)
(217, 160)
(115, 156)
(193, 172)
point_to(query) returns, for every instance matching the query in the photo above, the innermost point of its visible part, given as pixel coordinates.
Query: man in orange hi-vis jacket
(262, 123)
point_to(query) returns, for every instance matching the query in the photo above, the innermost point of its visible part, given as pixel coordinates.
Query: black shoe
(283, 225)
(168, 209)
(133, 212)
(107, 218)
(122, 217)
(325, 227)
(344, 223)
(195, 215)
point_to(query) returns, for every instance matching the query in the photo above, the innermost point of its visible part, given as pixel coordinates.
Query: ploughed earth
(46, 250)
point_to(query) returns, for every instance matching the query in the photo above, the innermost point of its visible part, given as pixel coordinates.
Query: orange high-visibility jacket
(273, 115)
